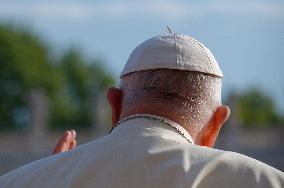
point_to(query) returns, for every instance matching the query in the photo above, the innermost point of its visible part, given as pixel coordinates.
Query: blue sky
(246, 37)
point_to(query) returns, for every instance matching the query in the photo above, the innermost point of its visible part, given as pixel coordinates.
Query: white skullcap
(172, 51)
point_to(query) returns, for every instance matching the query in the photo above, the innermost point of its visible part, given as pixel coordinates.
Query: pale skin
(205, 137)
(66, 142)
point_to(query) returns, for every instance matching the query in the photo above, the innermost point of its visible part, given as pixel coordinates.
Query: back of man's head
(191, 97)
(176, 77)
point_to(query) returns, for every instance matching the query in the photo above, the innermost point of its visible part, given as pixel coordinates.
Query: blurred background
(57, 58)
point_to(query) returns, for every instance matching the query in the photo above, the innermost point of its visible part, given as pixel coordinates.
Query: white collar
(163, 120)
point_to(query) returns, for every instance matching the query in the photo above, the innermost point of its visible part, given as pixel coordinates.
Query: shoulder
(237, 161)
(232, 169)
(54, 169)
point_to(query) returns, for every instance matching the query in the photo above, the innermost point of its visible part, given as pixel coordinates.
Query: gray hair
(193, 96)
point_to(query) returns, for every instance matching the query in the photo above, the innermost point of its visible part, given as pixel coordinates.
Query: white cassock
(144, 152)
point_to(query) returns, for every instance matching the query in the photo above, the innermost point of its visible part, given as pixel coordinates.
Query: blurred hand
(66, 142)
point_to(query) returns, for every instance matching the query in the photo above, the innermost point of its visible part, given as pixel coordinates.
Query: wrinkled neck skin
(154, 108)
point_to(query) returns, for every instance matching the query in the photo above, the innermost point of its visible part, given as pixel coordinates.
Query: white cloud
(161, 9)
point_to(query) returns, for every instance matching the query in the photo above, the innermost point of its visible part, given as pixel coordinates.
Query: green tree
(72, 105)
(71, 84)
(23, 66)
(257, 109)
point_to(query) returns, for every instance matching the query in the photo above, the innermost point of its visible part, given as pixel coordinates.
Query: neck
(178, 128)
(153, 110)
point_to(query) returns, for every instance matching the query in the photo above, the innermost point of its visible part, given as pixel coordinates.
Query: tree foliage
(73, 106)
(257, 109)
(23, 66)
(69, 83)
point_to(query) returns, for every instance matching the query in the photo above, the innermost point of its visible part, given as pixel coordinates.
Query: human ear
(114, 97)
(209, 133)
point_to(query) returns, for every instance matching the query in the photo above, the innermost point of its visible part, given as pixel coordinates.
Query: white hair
(193, 96)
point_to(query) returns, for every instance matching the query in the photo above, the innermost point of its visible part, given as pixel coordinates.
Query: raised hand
(66, 142)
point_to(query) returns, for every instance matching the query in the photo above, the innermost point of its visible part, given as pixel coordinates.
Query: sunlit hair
(190, 95)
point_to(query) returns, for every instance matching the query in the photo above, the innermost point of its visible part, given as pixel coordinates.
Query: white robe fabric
(144, 153)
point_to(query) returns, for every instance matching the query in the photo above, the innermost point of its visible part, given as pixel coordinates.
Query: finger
(73, 133)
(73, 141)
(67, 140)
(63, 143)
(72, 145)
